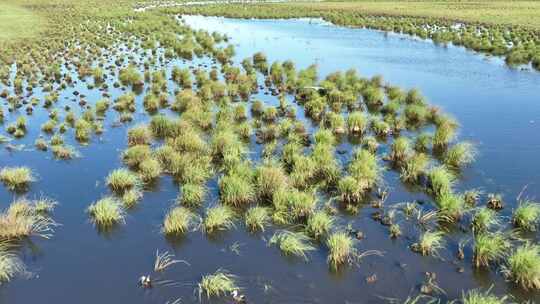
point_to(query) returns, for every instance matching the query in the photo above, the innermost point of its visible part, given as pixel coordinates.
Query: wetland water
(498, 108)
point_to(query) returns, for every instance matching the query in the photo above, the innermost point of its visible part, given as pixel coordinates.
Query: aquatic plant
(350, 190)
(131, 197)
(341, 249)
(139, 135)
(319, 224)
(357, 122)
(365, 169)
(217, 284)
(23, 218)
(292, 243)
(135, 155)
(64, 152)
(257, 218)
(490, 247)
(527, 215)
(460, 154)
(16, 178)
(149, 169)
(400, 149)
(192, 194)
(414, 167)
(269, 178)
(121, 180)
(440, 180)
(451, 205)
(429, 243)
(218, 218)
(476, 296)
(106, 212)
(484, 219)
(236, 190)
(293, 205)
(178, 220)
(523, 266)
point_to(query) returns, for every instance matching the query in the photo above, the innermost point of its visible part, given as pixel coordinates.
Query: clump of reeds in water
(106, 212)
(25, 218)
(256, 218)
(523, 266)
(139, 135)
(490, 247)
(429, 243)
(483, 219)
(217, 284)
(460, 155)
(218, 218)
(341, 249)
(121, 180)
(236, 189)
(319, 224)
(269, 179)
(476, 296)
(292, 243)
(179, 220)
(16, 178)
(193, 194)
(527, 215)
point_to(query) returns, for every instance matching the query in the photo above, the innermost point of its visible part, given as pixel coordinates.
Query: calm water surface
(498, 107)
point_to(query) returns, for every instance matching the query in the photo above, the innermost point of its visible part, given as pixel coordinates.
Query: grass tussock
(527, 215)
(16, 178)
(319, 224)
(292, 243)
(341, 249)
(218, 218)
(179, 220)
(25, 218)
(121, 180)
(429, 243)
(257, 218)
(523, 266)
(477, 296)
(10, 264)
(106, 212)
(490, 247)
(217, 284)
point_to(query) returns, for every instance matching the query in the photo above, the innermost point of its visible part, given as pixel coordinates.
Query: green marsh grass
(236, 190)
(460, 155)
(218, 218)
(523, 266)
(292, 243)
(121, 180)
(440, 180)
(341, 249)
(490, 248)
(256, 218)
(414, 167)
(17, 178)
(451, 205)
(64, 152)
(179, 220)
(131, 197)
(527, 215)
(350, 191)
(365, 169)
(193, 194)
(429, 243)
(319, 224)
(484, 219)
(477, 296)
(400, 149)
(149, 169)
(23, 219)
(217, 284)
(139, 135)
(106, 212)
(357, 122)
(135, 155)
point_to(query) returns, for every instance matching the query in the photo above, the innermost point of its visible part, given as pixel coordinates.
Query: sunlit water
(498, 108)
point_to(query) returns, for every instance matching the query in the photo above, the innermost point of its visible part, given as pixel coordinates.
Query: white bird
(145, 281)
(238, 297)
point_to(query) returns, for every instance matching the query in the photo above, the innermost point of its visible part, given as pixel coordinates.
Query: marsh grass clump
(523, 266)
(451, 205)
(292, 243)
(257, 218)
(490, 247)
(131, 197)
(149, 169)
(460, 155)
(236, 190)
(440, 180)
(293, 205)
(16, 178)
(341, 249)
(319, 224)
(357, 122)
(527, 215)
(269, 179)
(135, 155)
(444, 133)
(178, 220)
(217, 284)
(64, 152)
(484, 219)
(350, 191)
(24, 218)
(10, 264)
(429, 243)
(414, 167)
(139, 135)
(121, 180)
(365, 169)
(218, 218)
(476, 296)
(106, 212)
(193, 194)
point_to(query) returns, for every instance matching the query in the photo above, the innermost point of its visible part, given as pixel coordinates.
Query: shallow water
(498, 108)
